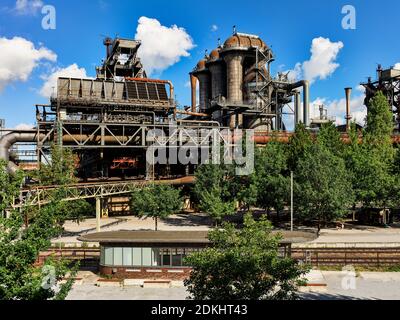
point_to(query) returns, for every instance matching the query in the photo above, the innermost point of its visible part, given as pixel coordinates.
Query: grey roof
(188, 237)
(183, 237)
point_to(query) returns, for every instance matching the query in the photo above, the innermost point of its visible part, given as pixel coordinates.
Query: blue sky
(288, 26)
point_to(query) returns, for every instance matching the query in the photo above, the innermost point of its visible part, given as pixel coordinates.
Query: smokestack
(107, 42)
(348, 114)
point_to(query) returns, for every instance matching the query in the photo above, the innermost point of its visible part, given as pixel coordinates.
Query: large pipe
(194, 114)
(306, 99)
(205, 82)
(8, 140)
(297, 108)
(193, 85)
(348, 114)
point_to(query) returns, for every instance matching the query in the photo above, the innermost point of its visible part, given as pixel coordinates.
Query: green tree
(61, 172)
(61, 169)
(9, 186)
(371, 162)
(379, 126)
(330, 138)
(299, 143)
(214, 191)
(323, 187)
(20, 246)
(243, 264)
(156, 201)
(272, 177)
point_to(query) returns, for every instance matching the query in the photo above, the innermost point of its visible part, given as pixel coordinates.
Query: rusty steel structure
(237, 89)
(388, 82)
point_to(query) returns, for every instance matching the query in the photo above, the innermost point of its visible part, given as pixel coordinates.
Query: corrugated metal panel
(142, 90)
(119, 90)
(63, 86)
(162, 92)
(75, 87)
(86, 87)
(109, 86)
(153, 95)
(97, 89)
(132, 90)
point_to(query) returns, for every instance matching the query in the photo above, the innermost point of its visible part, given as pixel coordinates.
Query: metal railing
(39, 196)
(368, 257)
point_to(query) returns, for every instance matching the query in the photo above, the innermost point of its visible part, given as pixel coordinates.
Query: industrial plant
(106, 121)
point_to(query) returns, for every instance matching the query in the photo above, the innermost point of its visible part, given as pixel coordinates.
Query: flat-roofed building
(160, 254)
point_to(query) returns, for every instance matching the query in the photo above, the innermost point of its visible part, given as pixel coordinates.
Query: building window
(117, 256)
(109, 256)
(144, 257)
(127, 257)
(137, 257)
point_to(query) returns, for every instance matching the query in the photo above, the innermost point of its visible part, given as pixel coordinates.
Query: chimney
(348, 114)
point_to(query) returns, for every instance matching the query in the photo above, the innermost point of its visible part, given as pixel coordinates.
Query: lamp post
(291, 201)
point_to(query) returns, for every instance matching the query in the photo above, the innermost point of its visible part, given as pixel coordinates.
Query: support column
(104, 208)
(98, 214)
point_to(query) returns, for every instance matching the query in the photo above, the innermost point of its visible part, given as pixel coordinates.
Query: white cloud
(28, 7)
(397, 66)
(214, 28)
(50, 85)
(24, 126)
(18, 58)
(322, 63)
(161, 46)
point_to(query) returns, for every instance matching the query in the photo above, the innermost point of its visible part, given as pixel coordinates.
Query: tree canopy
(243, 264)
(214, 191)
(156, 201)
(20, 246)
(323, 188)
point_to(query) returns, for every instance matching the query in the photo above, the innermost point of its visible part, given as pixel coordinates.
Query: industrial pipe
(12, 138)
(306, 99)
(195, 114)
(193, 85)
(297, 107)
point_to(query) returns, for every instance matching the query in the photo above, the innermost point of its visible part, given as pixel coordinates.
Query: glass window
(156, 258)
(137, 257)
(127, 256)
(102, 257)
(108, 256)
(117, 256)
(166, 257)
(176, 258)
(146, 257)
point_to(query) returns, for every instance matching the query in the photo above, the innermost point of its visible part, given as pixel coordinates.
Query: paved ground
(193, 222)
(201, 222)
(370, 235)
(340, 286)
(365, 286)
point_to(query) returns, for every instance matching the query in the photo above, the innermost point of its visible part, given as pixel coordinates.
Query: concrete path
(346, 285)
